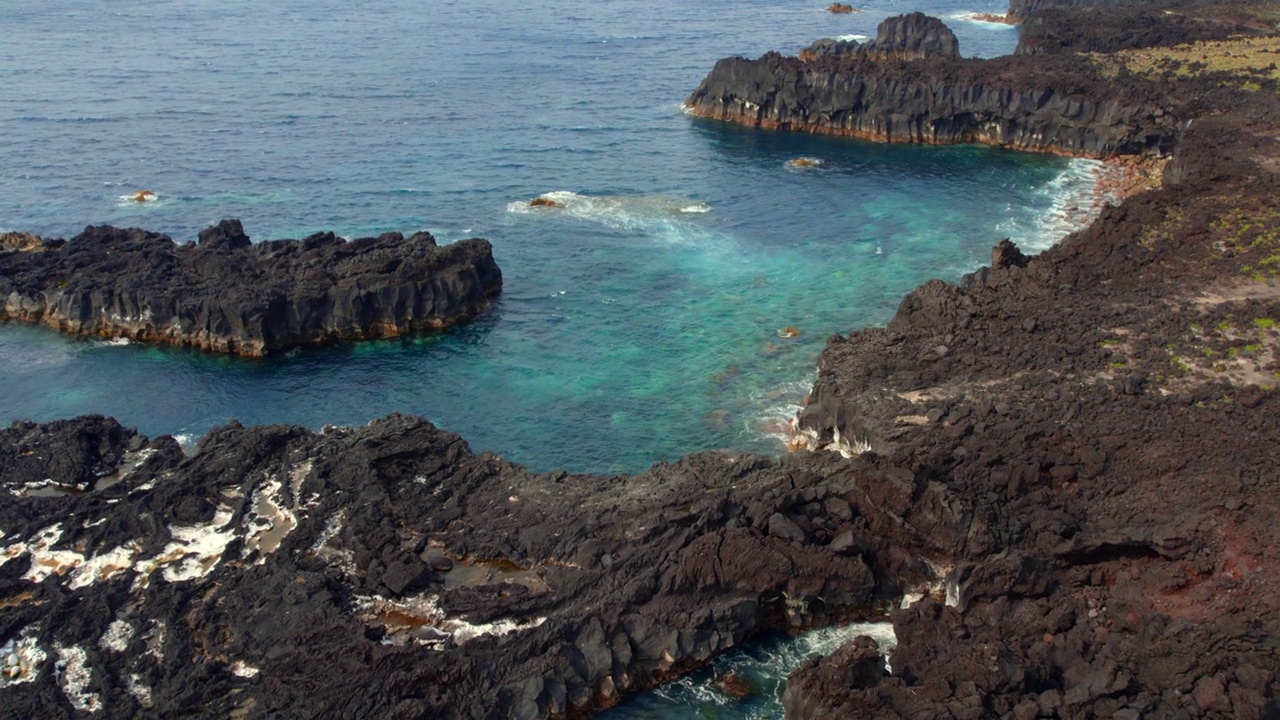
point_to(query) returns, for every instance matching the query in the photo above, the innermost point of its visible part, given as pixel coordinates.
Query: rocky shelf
(1056, 478)
(910, 85)
(226, 294)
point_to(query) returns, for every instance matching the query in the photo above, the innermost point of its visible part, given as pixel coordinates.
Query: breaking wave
(620, 212)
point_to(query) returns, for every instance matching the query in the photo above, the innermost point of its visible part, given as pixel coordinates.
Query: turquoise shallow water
(638, 325)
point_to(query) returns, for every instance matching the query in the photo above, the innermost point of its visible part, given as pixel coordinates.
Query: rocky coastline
(1068, 460)
(226, 294)
(910, 85)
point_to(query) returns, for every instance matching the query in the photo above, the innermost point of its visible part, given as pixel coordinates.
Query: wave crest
(622, 212)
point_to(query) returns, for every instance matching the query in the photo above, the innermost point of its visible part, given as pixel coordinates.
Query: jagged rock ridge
(913, 36)
(1058, 105)
(226, 294)
(387, 571)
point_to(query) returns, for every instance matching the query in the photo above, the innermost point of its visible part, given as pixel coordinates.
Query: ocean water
(640, 323)
(646, 320)
(764, 665)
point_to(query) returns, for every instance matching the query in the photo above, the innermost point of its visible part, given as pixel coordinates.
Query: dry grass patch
(1252, 59)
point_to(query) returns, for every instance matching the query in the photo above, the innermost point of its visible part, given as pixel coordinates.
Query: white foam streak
(1073, 205)
(981, 19)
(645, 213)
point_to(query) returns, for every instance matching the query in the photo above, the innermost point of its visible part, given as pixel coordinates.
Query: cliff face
(1087, 408)
(940, 101)
(225, 294)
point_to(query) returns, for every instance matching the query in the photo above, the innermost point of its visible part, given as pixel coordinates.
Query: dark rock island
(1057, 478)
(226, 294)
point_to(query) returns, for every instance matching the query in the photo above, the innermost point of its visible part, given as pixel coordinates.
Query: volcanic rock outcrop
(913, 36)
(1105, 413)
(1108, 28)
(1061, 471)
(387, 571)
(1027, 8)
(1059, 105)
(226, 294)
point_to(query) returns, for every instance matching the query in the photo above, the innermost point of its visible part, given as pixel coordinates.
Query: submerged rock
(226, 294)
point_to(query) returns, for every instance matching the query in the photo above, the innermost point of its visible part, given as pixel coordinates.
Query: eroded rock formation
(1061, 104)
(388, 571)
(1106, 413)
(226, 294)
(913, 36)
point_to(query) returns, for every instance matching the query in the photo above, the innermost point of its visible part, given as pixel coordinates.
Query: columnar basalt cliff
(1059, 105)
(226, 294)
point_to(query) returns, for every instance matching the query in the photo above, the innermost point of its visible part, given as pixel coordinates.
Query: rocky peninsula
(226, 294)
(1057, 478)
(911, 85)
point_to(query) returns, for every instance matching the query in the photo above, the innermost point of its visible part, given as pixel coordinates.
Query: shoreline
(879, 137)
(1067, 443)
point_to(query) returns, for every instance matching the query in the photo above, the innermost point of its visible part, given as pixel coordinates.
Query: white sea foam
(113, 342)
(621, 212)
(801, 164)
(271, 517)
(140, 197)
(778, 407)
(140, 691)
(1072, 206)
(773, 661)
(45, 561)
(977, 19)
(194, 550)
(854, 37)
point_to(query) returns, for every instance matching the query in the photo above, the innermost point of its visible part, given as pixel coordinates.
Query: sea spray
(764, 664)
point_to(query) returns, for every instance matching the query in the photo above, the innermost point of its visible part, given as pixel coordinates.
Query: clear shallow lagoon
(639, 324)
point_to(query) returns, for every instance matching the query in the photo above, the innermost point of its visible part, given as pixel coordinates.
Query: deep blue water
(630, 330)
(638, 324)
